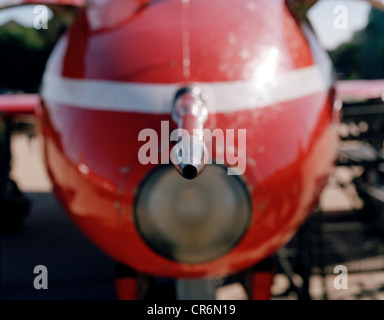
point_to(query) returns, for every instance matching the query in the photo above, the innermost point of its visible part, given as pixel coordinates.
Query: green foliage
(347, 60)
(363, 56)
(24, 52)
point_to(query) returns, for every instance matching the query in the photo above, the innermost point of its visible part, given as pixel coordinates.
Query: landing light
(192, 221)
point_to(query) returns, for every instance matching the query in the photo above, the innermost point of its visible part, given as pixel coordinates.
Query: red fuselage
(115, 73)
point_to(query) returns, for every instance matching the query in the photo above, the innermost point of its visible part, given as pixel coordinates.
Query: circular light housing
(192, 221)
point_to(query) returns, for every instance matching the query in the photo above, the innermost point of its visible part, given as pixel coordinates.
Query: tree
(363, 56)
(24, 53)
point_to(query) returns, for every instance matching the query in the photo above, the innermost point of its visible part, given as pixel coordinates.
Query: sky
(322, 17)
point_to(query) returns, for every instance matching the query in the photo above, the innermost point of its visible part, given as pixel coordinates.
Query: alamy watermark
(41, 280)
(41, 18)
(340, 21)
(341, 280)
(227, 150)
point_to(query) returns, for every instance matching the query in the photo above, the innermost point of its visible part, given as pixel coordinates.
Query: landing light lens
(192, 221)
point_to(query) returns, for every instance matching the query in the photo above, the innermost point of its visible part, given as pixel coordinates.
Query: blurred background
(347, 229)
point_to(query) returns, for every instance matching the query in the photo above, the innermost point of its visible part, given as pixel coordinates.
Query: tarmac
(77, 270)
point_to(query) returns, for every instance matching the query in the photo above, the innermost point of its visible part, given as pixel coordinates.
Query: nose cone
(189, 156)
